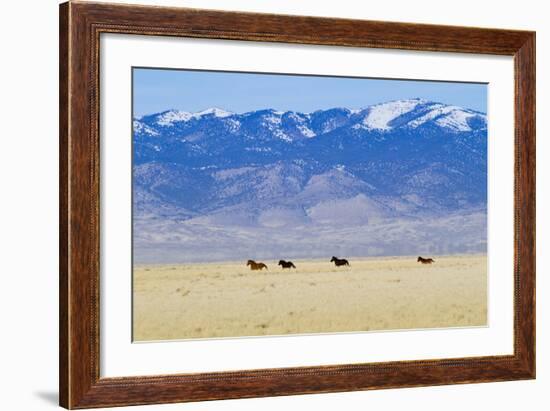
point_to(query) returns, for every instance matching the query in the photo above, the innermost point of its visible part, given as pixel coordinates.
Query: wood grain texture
(525, 203)
(80, 27)
(63, 205)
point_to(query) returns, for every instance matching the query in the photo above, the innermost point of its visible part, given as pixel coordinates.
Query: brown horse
(286, 264)
(425, 260)
(256, 266)
(339, 261)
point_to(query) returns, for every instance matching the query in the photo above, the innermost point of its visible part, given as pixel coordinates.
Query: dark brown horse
(339, 261)
(286, 264)
(425, 260)
(256, 266)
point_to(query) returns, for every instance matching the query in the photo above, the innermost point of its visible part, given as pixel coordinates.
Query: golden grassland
(229, 300)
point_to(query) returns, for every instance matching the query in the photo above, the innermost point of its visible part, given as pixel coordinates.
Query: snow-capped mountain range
(357, 169)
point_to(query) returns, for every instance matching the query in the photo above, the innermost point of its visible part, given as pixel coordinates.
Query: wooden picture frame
(80, 27)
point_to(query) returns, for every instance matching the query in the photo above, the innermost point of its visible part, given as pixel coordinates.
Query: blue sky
(157, 90)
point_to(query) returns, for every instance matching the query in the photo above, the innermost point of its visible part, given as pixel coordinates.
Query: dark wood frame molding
(80, 27)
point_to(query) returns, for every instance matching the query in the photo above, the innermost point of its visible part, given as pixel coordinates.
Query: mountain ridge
(375, 117)
(356, 169)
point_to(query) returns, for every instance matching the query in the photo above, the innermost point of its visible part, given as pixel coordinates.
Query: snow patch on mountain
(216, 112)
(306, 131)
(273, 123)
(435, 111)
(330, 125)
(169, 117)
(379, 116)
(233, 125)
(301, 122)
(272, 120)
(456, 120)
(142, 128)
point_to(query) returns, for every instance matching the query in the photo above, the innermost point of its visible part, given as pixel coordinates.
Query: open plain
(213, 300)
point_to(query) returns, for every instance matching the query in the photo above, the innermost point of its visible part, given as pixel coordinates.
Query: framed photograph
(258, 205)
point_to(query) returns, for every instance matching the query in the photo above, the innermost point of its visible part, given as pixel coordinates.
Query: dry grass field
(229, 300)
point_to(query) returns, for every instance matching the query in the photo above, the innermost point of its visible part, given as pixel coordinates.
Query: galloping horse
(339, 261)
(425, 260)
(286, 264)
(256, 266)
